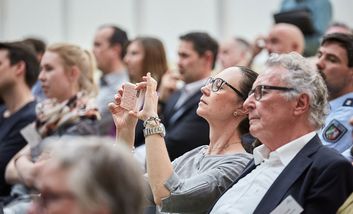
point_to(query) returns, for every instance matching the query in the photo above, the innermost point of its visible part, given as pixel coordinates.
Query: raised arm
(159, 166)
(125, 122)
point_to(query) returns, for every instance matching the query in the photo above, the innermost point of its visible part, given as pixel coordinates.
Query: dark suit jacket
(185, 129)
(318, 178)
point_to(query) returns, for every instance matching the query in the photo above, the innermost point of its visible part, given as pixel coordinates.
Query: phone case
(132, 99)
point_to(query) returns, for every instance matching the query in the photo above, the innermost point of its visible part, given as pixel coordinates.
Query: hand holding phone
(132, 98)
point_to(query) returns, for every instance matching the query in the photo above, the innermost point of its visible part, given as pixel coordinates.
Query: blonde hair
(73, 55)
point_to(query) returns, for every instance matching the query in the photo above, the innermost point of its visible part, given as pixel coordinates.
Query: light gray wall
(76, 20)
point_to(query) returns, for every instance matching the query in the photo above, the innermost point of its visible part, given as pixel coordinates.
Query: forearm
(127, 136)
(159, 167)
(11, 175)
(24, 169)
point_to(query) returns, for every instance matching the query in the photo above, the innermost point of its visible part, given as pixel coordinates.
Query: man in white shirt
(292, 171)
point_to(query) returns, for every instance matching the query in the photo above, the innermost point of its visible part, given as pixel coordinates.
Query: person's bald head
(285, 38)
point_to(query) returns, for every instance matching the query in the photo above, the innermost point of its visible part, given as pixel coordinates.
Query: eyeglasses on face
(258, 91)
(217, 83)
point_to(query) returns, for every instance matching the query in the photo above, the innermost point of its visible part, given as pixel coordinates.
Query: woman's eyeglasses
(217, 83)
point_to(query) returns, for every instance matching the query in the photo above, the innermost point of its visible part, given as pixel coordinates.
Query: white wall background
(76, 20)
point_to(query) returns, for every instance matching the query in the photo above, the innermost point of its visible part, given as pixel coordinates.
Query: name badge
(31, 135)
(288, 206)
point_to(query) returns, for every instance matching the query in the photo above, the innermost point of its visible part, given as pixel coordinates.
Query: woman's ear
(74, 73)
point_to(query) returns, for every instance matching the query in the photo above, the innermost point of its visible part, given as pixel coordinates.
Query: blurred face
(55, 82)
(273, 112)
(56, 196)
(278, 41)
(229, 54)
(222, 104)
(134, 59)
(333, 62)
(7, 72)
(191, 65)
(103, 51)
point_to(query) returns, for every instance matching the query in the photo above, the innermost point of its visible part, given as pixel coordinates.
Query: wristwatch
(159, 129)
(153, 126)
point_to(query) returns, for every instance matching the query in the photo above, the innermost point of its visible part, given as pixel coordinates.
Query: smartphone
(132, 99)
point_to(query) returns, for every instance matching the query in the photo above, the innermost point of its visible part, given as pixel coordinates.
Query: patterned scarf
(52, 114)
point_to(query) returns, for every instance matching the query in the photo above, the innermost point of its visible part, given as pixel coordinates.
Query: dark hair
(340, 24)
(245, 86)
(242, 41)
(38, 44)
(343, 40)
(202, 42)
(155, 60)
(118, 37)
(19, 51)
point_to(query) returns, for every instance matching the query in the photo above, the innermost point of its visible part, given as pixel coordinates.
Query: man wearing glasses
(292, 171)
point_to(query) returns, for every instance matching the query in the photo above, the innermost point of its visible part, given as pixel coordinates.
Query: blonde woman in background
(67, 80)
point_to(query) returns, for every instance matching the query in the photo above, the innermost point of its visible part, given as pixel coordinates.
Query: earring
(235, 114)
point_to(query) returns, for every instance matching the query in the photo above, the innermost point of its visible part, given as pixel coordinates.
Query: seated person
(192, 182)
(87, 175)
(292, 170)
(67, 79)
(19, 71)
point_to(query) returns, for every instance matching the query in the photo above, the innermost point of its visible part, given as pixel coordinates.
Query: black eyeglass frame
(258, 95)
(212, 80)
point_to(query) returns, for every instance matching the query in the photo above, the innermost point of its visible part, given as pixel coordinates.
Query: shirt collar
(113, 77)
(334, 104)
(193, 87)
(286, 152)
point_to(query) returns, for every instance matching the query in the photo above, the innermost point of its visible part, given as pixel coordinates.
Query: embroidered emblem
(348, 102)
(334, 131)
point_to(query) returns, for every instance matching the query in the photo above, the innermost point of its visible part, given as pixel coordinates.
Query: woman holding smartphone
(193, 182)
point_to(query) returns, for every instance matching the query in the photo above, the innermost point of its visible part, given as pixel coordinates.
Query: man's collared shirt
(188, 90)
(247, 193)
(109, 84)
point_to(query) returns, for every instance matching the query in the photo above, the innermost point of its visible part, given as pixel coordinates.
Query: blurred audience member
(67, 80)
(39, 47)
(339, 27)
(320, 13)
(235, 52)
(19, 70)
(185, 129)
(109, 50)
(283, 38)
(89, 176)
(143, 55)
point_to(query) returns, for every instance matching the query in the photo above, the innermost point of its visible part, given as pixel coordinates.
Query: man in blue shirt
(19, 69)
(335, 61)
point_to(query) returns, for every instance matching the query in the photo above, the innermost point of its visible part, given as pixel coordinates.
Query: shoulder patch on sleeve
(348, 102)
(334, 131)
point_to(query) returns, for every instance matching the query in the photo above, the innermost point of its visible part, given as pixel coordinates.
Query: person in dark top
(19, 69)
